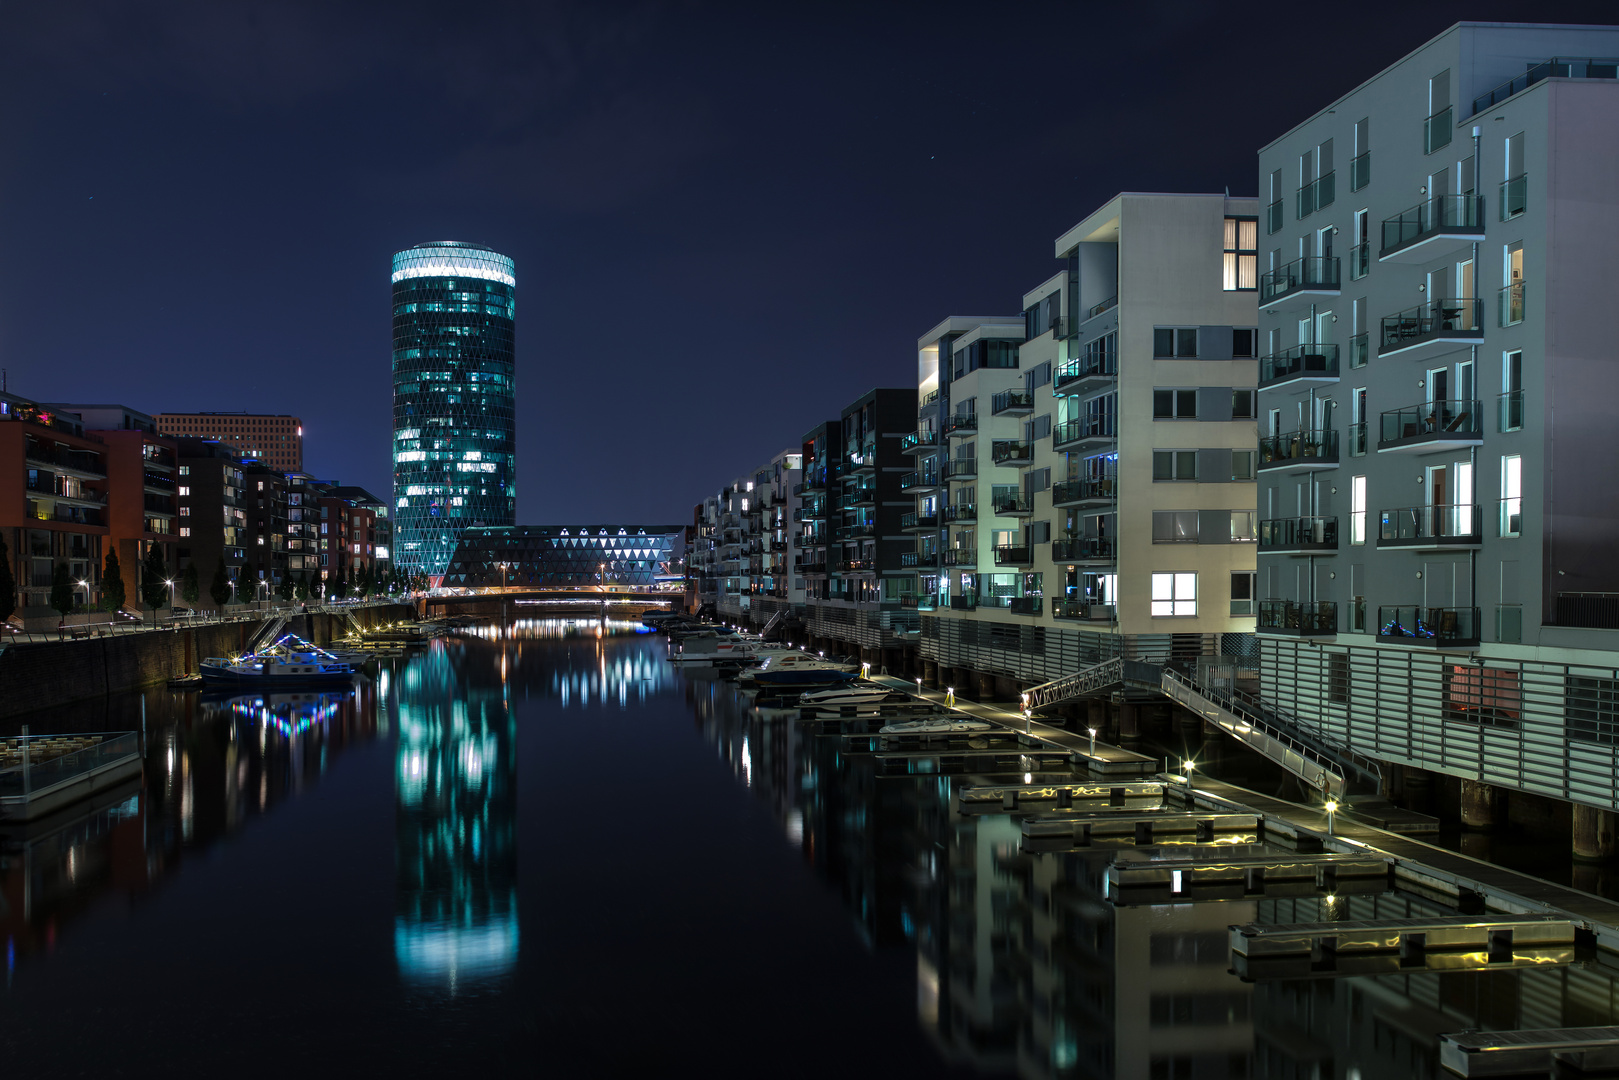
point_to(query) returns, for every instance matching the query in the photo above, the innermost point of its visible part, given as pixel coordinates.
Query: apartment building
(265, 543)
(1116, 451)
(1436, 488)
(275, 439)
(213, 506)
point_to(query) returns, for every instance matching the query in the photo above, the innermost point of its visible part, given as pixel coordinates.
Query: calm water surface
(549, 850)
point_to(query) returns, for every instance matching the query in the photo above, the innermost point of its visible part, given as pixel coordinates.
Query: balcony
(1360, 171)
(82, 463)
(1316, 195)
(1099, 428)
(1025, 605)
(1273, 218)
(1072, 493)
(1438, 129)
(919, 522)
(961, 512)
(1014, 555)
(1416, 331)
(918, 482)
(810, 569)
(1298, 536)
(960, 425)
(964, 602)
(865, 461)
(1514, 197)
(1512, 304)
(1360, 349)
(1011, 452)
(1510, 408)
(1079, 609)
(917, 441)
(1012, 403)
(1299, 451)
(1432, 527)
(856, 566)
(1439, 627)
(808, 512)
(919, 558)
(1433, 229)
(854, 532)
(1301, 365)
(1360, 260)
(961, 557)
(1013, 506)
(1430, 426)
(861, 495)
(1081, 373)
(1562, 67)
(1072, 549)
(962, 468)
(1301, 619)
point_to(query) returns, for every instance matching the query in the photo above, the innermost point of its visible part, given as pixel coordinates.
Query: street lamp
(1093, 741)
(1332, 808)
(85, 585)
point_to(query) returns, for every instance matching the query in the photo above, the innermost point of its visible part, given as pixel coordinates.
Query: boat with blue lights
(291, 661)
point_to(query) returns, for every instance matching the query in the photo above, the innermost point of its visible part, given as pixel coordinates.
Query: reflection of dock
(1450, 943)
(1160, 881)
(42, 774)
(1043, 798)
(1555, 1052)
(1053, 833)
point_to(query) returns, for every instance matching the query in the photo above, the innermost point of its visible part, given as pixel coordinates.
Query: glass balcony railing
(1360, 171)
(1313, 274)
(965, 602)
(919, 521)
(1452, 215)
(1438, 129)
(918, 440)
(1081, 548)
(1317, 194)
(1357, 439)
(1414, 625)
(1360, 260)
(1100, 365)
(1430, 422)
(961, 512)
(1081, 609)
(1011, 452)
(1305, 618)
(965, 556)
(915, 480)
(1360, 347)
(1451, 319)
(919, 558)
(1298, 534)
(967, 422)
(1431, 526)
(1012, 401)
(1562, 67)
(1025, 605)
(1312, 363)
(1273, 218)
(1316, 448)
(1013, 555)
(1096, 309)
(1514, 197)
(1510, 408)
(1097, 489)
(961, 468)
(1512, 304)
(1013, 505)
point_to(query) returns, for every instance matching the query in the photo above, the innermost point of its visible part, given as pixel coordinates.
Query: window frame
(1169, 598)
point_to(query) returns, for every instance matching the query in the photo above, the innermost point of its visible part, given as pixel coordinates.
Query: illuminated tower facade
(454, 444)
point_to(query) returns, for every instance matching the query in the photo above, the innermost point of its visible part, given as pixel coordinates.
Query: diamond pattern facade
(561, 557)
(454, 307)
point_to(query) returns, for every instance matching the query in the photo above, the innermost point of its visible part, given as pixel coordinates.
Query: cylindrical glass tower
(454, 435)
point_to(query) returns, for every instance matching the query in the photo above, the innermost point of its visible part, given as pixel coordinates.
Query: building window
(185, 470)
(1482, 695)
(185, 530)
(185, 511)
(1338, 678)
(1174, 594)
(1244, 526)
(1245, 342)
(1512, 495)
(1174, 404)
(1244, 405)
(184, 491)
(1242, 592)
(1592, 709)
(1241, 267)
(1357, 510)
(1242, 464)
(1174, 464)
(1174, 526)
(1171, 341)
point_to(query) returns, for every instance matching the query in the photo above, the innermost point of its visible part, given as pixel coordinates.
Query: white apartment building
(753, 534)
(1438, 495)
(1114, 450)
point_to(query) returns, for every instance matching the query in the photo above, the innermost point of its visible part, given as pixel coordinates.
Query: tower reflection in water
(455, 926)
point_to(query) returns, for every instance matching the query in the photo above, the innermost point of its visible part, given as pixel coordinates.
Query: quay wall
(44, 675)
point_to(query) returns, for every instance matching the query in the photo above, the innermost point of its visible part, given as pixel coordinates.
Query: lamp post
(1332, 808)
(85, 585)
(1093, 741)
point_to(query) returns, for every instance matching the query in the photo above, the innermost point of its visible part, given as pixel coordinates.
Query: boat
(786, 664)
(186, 682)
(800, 676)
(707, 649)
(400, 632)
(936, 725)
(858, 692)
(291, 661)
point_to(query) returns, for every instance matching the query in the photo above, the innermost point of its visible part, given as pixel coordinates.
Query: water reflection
(1024, 965)
(455, 809)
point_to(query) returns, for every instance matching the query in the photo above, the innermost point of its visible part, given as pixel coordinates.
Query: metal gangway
(267, 633)
(1324, 764)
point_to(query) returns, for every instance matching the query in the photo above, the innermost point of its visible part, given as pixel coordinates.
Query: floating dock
(40, 774)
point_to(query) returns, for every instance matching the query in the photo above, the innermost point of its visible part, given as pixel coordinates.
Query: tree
(154, 580)
(302, 588)
(190, 587)
(113, 594)
(340, 585)
(61, 590)
(286, 588)
(364, 582)
(8, 584)
(219, 589)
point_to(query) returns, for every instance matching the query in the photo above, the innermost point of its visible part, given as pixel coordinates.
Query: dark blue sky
(729, 220)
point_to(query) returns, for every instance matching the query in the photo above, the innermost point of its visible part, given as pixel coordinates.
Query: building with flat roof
(586, 557)
(275, 439)
(455, 438)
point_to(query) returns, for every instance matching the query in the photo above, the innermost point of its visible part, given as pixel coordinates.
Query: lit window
(1512, 495)
(1241, 252)
(185, 511)
(1357, 510)
(185, 490)
(185, 530)
(1174, 594)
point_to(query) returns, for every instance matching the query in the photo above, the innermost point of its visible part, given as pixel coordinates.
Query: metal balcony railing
(1011, 452)
(1082, 548)
(1562, 67)
(1094, 489)
(1441, 215)
(1013, 555)
(1298, 534)
(1429, 526)
(1448, 319)
(1013, 504)
(1314, 447)
(1415, 625)
(1305, 618)
(1431, 421)
(1313, 362)
(1012, 401)
(961, 512)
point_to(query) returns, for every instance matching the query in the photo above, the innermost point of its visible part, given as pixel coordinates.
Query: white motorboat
(291, 661)
(936, 725)
(779, 669)
(854, 693)
(710, 649)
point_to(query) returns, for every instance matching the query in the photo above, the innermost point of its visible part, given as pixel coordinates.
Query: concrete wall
(43, 676)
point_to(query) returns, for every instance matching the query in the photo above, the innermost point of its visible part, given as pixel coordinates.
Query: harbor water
(539, 845)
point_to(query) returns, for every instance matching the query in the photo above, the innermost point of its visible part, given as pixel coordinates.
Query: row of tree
(155, 589)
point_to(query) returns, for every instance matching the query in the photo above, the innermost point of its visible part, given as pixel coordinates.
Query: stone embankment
(42, 675)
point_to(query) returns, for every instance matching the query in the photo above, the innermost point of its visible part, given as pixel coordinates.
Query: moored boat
(857, 692)
(936, 725)
(291, 661)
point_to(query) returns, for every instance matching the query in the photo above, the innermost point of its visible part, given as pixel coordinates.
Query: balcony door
(1438, 486)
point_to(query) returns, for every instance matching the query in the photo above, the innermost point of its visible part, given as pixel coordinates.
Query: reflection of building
(557, 556)
(456, 831)
(455, 439)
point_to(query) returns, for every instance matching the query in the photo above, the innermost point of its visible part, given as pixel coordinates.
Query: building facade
(275, 439)
(589, 557)
(1436, 483)
(454, 443)
(213, 507)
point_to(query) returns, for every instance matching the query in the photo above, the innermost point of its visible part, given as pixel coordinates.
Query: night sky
(728, 220)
